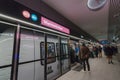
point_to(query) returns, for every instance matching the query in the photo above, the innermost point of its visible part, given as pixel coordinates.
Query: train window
(64, 46)
(51, 55)
(6, 50)
(57, 49)
(64, 49)
(42, 50)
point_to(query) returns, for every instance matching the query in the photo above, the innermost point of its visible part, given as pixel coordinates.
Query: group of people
(81, 54)
(96, 51)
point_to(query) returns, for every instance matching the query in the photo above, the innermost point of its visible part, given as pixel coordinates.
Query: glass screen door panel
(53, 66)
(39, 68)
(7, 32)
(30, 56)
(64, 55)
(26, 56)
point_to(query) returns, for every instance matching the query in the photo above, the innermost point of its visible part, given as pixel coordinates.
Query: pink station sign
(48, 23)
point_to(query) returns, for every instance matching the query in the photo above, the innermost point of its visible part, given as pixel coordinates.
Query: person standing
(100, 51)
(76, 53)
(84, 55)
(108, 53)
(72, 54)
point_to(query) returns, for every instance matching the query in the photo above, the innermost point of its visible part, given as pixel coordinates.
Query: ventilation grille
(114, 11)
(114, 19)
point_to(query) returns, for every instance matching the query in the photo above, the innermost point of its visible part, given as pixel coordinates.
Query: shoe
(89, 71)
(83, 70)
(111, 62)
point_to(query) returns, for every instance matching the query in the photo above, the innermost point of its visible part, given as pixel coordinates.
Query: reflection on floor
(100, 70)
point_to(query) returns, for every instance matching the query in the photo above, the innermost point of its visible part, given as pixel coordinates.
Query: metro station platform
(100, 70)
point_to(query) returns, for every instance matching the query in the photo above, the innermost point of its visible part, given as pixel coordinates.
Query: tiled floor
(100, 70)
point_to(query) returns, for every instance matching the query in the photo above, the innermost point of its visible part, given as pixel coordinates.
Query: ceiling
(93, 22)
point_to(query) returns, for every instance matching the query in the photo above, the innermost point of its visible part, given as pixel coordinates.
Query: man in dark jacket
(84, 55)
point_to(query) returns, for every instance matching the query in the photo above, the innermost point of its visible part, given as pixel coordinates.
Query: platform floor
(100, 70)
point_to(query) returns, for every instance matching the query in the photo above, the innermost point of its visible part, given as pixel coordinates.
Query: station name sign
(48, 23)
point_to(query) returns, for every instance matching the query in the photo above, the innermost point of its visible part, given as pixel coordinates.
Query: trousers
(85, 63)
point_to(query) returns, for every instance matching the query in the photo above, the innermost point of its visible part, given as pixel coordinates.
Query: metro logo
(26, 14)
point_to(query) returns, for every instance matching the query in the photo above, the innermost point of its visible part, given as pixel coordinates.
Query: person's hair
(83, 44)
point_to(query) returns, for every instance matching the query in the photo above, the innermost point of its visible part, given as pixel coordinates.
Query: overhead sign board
(48, 23)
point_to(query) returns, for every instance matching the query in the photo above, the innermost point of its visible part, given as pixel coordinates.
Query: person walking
(100, 51)
(76, 53)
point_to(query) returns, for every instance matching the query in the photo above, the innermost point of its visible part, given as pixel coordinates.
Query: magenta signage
(48, 23)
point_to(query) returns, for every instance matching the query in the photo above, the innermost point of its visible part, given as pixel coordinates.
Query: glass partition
(6, 50)
(30, 56)
(53, 68)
